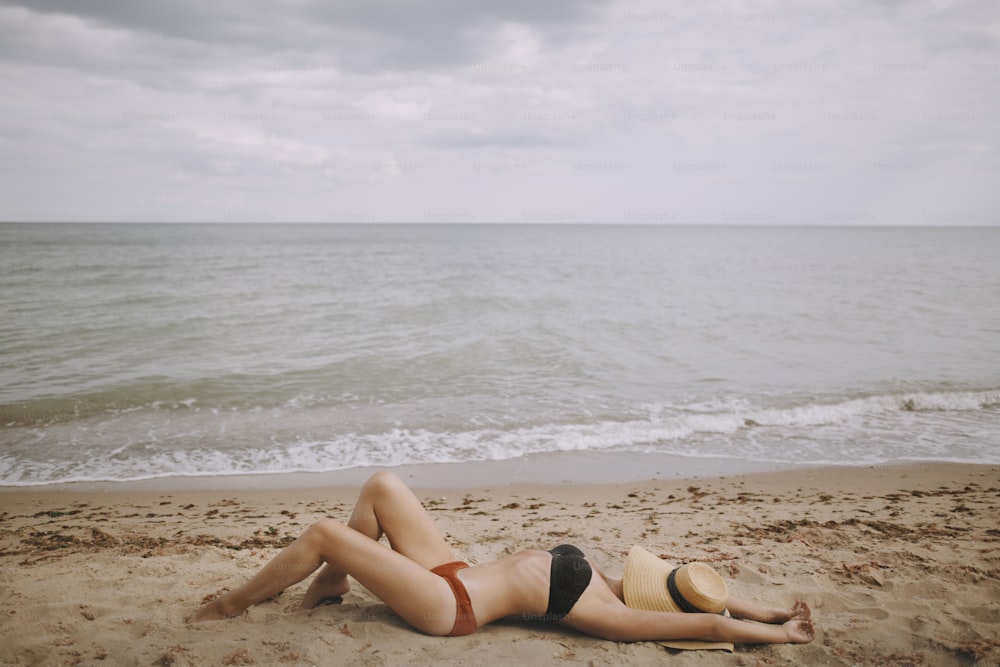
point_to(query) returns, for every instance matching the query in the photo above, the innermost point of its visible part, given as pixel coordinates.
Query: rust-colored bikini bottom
(465, 619)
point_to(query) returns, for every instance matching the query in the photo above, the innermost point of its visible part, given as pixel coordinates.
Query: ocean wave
(863, 430)
(820, 413)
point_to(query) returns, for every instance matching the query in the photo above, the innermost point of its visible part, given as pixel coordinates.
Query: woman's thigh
(388, 506)
(421, 598)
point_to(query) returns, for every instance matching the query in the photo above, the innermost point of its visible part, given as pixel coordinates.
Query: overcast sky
(732, 112)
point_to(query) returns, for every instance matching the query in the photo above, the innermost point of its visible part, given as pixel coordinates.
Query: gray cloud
(365, 37)
(736, 111)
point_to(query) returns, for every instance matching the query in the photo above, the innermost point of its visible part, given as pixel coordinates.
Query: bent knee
(324, 528)
(383, 481)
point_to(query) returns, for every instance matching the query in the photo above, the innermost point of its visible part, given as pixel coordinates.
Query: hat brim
(641, 567)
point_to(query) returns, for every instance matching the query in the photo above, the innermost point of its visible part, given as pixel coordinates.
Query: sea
(142, 351)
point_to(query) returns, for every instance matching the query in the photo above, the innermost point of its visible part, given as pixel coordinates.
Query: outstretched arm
(601, 613)
(621, 623)
(751, 611)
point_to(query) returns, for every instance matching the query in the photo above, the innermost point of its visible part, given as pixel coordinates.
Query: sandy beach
(900, 565)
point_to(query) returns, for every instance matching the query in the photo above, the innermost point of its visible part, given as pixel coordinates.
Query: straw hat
(655, 585)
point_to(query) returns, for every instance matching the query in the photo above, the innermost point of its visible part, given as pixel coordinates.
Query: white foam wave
(859, 431)
(730, 415)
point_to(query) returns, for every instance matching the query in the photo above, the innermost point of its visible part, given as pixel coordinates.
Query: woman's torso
(518, 585)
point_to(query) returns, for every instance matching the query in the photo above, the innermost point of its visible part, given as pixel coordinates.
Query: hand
(797, 612)
(800, 611)
(800, 631)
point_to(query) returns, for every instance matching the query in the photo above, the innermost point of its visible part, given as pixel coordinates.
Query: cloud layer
(734, 112)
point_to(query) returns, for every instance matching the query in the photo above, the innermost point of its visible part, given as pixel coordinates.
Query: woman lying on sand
(421, 581)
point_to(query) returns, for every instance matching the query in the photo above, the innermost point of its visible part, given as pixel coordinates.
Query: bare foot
(210, 611)
(214, 610)
(325, 590)
(800, 631)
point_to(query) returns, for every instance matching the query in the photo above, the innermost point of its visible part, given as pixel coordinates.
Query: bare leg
(385, 506)
(293, 564)
(421, 598)
(329, 587)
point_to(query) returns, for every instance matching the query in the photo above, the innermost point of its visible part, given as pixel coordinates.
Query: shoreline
(899, 564)
(551, 468)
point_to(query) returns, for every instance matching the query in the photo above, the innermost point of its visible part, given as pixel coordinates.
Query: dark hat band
(679, 600)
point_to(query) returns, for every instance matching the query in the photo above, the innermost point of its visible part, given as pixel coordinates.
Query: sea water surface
(138, 351)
